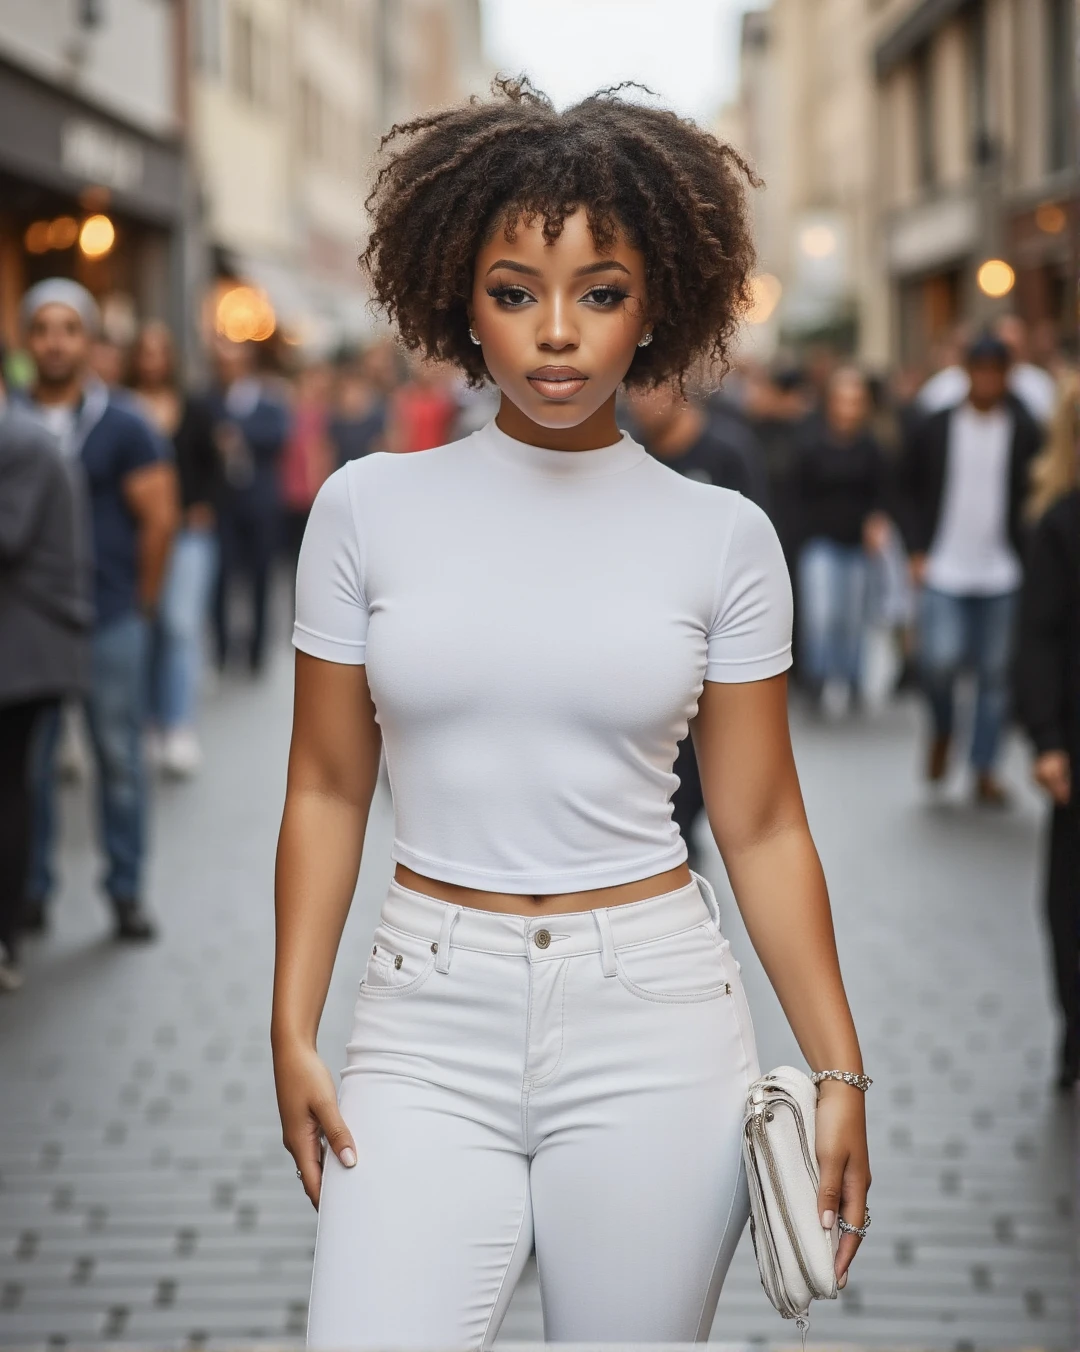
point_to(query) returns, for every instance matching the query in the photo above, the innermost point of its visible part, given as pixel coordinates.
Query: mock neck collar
(623, 454)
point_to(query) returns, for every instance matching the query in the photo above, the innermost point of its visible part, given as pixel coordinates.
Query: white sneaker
(835, 699)
(181, 755)
(11, 977)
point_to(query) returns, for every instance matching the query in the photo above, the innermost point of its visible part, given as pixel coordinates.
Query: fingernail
(842, 1282)
(348, 1157)
(828, 1220)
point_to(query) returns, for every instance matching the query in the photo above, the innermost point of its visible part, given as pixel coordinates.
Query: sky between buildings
(686, 50)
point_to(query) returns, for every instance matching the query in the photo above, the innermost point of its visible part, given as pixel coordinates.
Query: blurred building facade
(91, 130)
(227, 142)
(904, 144)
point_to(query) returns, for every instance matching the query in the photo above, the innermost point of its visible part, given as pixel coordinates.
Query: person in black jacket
(45, 619)
(963, 482)
(185, 423)
(250, 430)
(839, 478)
(1048, 702)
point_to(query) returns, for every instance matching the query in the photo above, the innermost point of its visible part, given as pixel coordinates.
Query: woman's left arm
(756, 812)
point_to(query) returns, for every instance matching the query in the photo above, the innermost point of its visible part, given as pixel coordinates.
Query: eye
(509, 297)
(606, 297)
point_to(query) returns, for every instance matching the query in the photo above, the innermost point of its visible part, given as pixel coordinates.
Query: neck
(984, 405)
(153, 388)
(598, 430)
(679, 435)
(54, 393)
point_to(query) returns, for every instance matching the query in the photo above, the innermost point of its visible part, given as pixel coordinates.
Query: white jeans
(573, 1082)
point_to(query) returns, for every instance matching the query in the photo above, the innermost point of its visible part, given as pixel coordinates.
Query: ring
(860, 1230)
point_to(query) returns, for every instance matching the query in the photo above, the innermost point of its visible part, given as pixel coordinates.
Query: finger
(305, 1147)
(830, 1188)
(853, 1210)
(338, 1136)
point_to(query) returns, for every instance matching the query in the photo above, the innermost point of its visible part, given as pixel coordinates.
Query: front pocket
(677, 969)
(399, 964)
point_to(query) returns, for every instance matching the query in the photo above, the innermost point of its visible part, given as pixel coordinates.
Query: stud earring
(646, 340)
(474, 338)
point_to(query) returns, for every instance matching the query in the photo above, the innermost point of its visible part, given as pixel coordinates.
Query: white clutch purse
(795, 1255)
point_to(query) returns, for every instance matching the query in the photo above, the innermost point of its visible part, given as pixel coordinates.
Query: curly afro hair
(449, 179)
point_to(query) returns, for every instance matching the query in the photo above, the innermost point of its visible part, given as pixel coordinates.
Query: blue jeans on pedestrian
(183, 616)
(973, 632)
(115, 712)
(832, 581)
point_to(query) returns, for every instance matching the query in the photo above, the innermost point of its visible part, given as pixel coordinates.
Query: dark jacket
(1047, 670)
(198, 466)
(838, 483)
(45, 565)
(921, 476)
(250, 446)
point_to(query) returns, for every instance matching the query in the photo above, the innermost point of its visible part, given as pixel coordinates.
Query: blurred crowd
(929, 518)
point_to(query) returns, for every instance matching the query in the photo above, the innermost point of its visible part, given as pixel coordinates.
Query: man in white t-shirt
(964, 478)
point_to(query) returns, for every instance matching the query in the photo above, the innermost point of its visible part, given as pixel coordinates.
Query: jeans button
(543, 938)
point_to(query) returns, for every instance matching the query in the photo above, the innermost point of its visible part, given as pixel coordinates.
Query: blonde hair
(1056, 470)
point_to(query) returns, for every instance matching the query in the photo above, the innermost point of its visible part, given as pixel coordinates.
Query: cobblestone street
(145, 1194)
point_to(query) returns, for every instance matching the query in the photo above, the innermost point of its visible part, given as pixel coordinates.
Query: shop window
(1058, 30)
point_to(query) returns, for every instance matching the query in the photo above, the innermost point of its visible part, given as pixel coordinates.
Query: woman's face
(153, 357)
(558, 323)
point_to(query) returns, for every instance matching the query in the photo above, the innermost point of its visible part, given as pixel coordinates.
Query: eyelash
(613, 296)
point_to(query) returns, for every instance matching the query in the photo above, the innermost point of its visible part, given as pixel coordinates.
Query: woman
(45, 616)
(840, 477)
(308, 454)
(1048, 694)
(185, 601)
(551, 1041)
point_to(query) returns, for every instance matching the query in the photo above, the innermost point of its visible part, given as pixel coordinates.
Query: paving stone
(145, 1194)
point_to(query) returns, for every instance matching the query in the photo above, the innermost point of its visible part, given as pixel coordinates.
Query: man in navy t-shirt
(132, 494)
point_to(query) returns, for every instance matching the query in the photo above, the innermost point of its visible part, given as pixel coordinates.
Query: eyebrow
(607, 265)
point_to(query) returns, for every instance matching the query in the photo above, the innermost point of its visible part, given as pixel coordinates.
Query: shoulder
(392, 473)
(126, 427)
(23, 437)
(1062, 520)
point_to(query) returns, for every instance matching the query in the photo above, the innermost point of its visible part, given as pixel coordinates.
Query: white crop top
(537, 626)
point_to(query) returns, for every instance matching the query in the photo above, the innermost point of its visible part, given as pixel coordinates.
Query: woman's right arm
(333, 766)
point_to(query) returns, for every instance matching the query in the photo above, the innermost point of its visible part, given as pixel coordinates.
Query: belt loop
(607, 944)
(709, 897)
(449, 920)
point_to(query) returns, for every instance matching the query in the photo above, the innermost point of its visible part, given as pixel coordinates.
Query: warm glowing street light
(63, 232)
(244, 314)
(818, 241)
(36, 238)
(766, 291)
(995, 278)
(97, 236)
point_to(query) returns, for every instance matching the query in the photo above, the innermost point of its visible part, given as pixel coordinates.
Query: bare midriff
(554, 903)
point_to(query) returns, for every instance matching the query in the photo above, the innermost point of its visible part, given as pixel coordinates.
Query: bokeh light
(995, 278)
(97, 236)
(244, 314)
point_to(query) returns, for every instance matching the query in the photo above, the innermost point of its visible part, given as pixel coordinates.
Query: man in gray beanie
(133, 515)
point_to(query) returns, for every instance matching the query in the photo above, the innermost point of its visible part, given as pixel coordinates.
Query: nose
(557, 330)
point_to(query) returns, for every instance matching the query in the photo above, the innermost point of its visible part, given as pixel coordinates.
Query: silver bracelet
(862, 1082)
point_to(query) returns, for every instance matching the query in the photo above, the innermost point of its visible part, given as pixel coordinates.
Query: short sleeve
(142, 446)
(331, 609)
(750, 635)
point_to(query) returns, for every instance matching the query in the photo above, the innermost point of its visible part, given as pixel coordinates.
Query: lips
(557, 382)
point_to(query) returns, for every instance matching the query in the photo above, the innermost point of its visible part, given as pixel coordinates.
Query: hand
(876, 530)
(308, 1107)
(844, 1164)
(917, 569)
(1053, 773)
